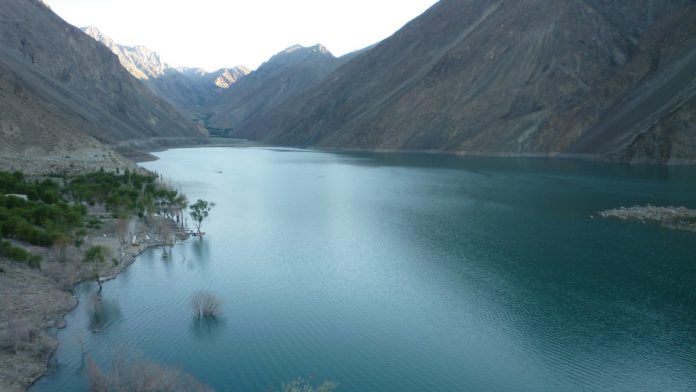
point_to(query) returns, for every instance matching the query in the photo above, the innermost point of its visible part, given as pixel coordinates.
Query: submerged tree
(302, 385)
(200, 210)
(205, 305)
(139, 375)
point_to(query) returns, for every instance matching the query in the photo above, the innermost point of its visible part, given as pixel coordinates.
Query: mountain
(61, 91)
(647, 109)
(190, 90)
(228, 99)
(286, 74)
(140, 61)
(223, 78)
(509, 77)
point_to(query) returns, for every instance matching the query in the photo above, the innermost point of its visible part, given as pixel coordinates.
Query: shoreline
(146, 153)
(26, 366)
(132, 257)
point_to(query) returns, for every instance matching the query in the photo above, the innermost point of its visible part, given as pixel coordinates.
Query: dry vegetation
(128, 375)
(302, 385)
(205, 305)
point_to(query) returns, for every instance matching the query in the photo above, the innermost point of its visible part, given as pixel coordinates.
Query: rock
(679, 218)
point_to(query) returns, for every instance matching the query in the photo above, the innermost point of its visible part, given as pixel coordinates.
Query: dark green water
(397, 272)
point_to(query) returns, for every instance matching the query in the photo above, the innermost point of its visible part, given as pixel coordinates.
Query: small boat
(198, 234)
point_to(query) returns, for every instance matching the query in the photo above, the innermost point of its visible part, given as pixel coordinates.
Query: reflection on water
(201, 249)
(207, 328)
(101, 312)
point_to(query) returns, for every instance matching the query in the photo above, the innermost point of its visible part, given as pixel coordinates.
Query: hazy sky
(215, 33)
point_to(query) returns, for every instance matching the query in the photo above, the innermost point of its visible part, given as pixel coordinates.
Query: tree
(60, 245)
(302, 385)
(138, 375)
(96, 256)
(122, 226)
(200, 211)
(166, 232)
(205, 305)
(180, 204)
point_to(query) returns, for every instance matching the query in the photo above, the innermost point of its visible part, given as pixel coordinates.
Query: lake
(408, 272)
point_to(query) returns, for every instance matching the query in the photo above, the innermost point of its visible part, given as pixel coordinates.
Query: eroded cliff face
(503, 77)
(61, 91)
(645, 110)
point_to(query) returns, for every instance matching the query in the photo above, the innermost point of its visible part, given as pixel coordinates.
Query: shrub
(135, 375)
(18, 254)
(302, 385)
(97, 254)
(205, 305)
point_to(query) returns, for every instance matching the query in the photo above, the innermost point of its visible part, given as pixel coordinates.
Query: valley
(420, 211)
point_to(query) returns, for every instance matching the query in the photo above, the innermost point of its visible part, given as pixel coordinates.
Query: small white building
(23, 197)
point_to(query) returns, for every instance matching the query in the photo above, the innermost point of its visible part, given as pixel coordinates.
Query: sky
(213, 34)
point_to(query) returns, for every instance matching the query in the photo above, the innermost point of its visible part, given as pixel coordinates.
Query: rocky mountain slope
(510, 77)
(190, 90)
(647, 109)
(286, 74)
(61, 91)
(230, 99)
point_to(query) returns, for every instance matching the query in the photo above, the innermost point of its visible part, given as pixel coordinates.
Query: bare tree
(59, 247)
(205, 305)
(167, 238)
(140, 376)
(81, 343)
(98, 380)
(122, 230)
(302, 385)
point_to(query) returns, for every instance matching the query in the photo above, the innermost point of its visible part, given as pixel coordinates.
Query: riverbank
(675, 218)
(35, 302)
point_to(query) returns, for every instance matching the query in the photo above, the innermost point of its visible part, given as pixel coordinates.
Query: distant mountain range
(613, 79)
(230, 98)
(190, 90)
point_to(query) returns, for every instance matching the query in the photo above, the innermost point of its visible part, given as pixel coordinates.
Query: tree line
(53, 211)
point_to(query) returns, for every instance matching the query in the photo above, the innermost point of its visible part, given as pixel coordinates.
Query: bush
(301, 385)
(97, 254)
(136, 375)
(205, 305)
(18, 254)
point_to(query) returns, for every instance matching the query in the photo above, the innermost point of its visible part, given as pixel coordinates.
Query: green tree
(97, 254)
(200, 210)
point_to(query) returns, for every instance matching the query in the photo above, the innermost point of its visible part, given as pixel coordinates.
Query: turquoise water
(408, 272)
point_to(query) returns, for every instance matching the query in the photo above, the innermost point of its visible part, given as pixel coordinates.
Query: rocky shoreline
(676, 218)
